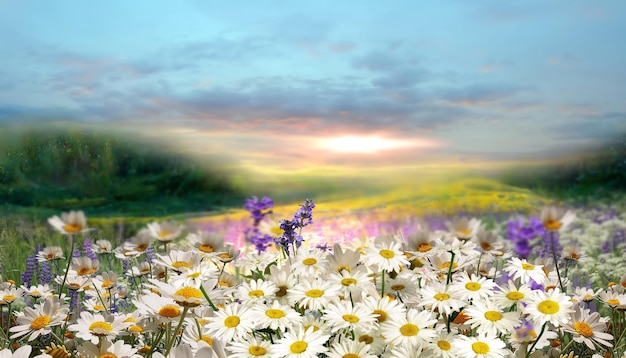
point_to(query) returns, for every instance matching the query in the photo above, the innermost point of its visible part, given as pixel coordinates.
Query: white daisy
(344, 315)
(275, 316)
(524, 271)
(70, 223)
(480, 346)
(22, 352)
(552, 306)
(162, 308)
(50, 253)
(442, 345)
(488, 318)
(588, 328)
(314, 294)
(463, 228)
(355, 280)
(351, 349)
(309, 262)
(251, 348)
(555, 219)
(107, 349)
(472, 287)
(301, 343)
(102, 247)
(165, 231)
(441, 298)
(510, 294)
(340, 260)
(414, 329)
(386, 256)
(234, 320)
(38, 321)
(207, 243)
(255, 292)
(384, 308)
(91, 327)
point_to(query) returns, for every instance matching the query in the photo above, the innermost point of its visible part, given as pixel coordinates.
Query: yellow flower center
(350, 318)
(612, 302)
(257, 350)
(9, 298)
(348, 281)
(548, 307)
(464, 232)
(382, 315)
(179, 264)
(446, 265)
(409, 329)
(49, 256)
(100, 328)
(480, 348)
(442, 296)
(472, 286)
(486, 246)
(225, 256)
(444, 345)
(231, 321)
(583, 329)
(282, 291)
(107, 284)
(314, 293)
(424, 247)
(194, 275)
(206, 339)
(397, 287)
(350, 355)
(298, 347)
(98, 308)
(72, 228)
(223, 283)
(275, 313)
(309, 261)
(188, 292)
(315, 328)
(40, 322)
(142, 247)
(552, 225)
(367, 339)
(206, 248)
(344, 267)
(388, 254)
(169, 311)
(514, 295)
(256, 293)
(493, 315)
(107, 355)
(163, 234)
(528, 267)
(135, 329)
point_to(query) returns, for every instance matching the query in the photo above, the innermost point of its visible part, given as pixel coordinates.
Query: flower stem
(449, 279)
(382, 290)
(543, 328)
(180, 323)
(67, 268)
(556, 262)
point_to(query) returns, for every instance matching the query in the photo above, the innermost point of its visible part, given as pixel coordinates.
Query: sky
(286, 85)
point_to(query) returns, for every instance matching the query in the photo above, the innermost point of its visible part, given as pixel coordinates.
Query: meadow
(436, 266)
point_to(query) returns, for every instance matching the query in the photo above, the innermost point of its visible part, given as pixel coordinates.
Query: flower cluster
(456, 292)
(259, 209)
(291, 238)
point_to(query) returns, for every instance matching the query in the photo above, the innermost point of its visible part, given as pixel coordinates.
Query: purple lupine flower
(258, 209)
(304, 215)
(87, 250)
(150, 254)
(31, 266)
(76, 253)
(74, 301)
(521, 235)
(46, 273)
(260, 241)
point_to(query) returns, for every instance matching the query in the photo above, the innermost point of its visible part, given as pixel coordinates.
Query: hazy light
(366, 144)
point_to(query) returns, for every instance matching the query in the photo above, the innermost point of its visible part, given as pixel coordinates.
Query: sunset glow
(365, 144)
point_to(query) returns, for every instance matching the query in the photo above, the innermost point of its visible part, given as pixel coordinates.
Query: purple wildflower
(31, 267)
(87, 250)
(521, 234)
(150, 254)
(258, 209)
(46, 273)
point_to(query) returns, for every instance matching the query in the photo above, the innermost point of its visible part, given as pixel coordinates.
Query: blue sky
(274, 83)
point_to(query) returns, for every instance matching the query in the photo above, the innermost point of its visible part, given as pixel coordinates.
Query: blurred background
(184, 109)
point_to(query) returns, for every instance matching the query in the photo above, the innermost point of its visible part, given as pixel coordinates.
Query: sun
(365, 144)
